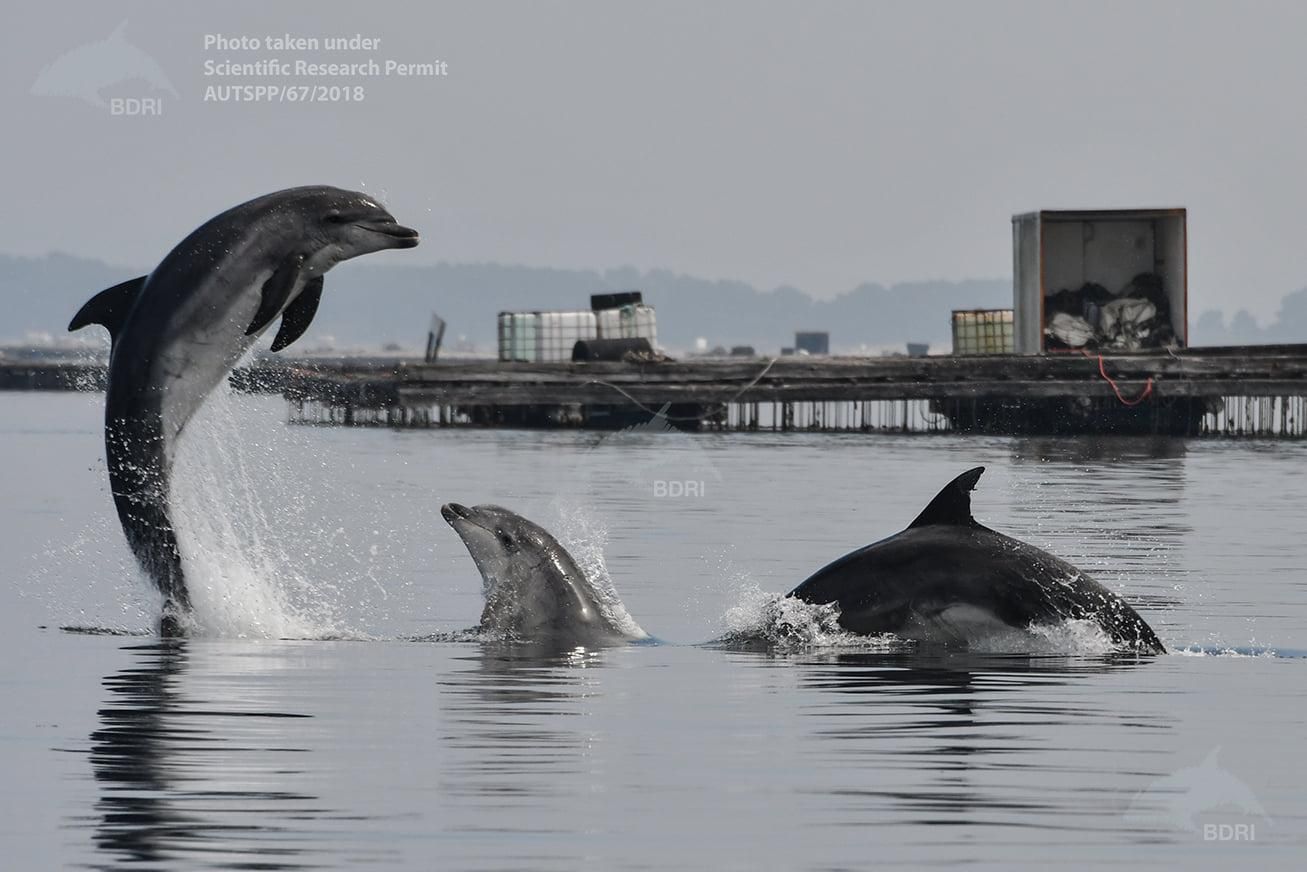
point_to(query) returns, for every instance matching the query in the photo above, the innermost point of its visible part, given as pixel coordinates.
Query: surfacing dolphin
(534, 590)
(947, 578)
(178, 332)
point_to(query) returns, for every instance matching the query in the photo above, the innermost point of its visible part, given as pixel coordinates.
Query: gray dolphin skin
(535, 592)
(178, 332)
(947, 578)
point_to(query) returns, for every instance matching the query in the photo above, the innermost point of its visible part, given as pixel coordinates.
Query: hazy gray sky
(812, 144)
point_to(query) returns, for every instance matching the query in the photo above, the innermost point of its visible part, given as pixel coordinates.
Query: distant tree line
(369, 305)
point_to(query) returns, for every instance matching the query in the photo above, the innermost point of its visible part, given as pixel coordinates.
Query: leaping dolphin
(178, 332)
(948, 578)
(534, 590)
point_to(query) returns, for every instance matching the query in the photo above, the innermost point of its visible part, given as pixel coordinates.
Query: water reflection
(1097, 449)
(1114, 506)
(517, 749)
(194, 777)
(964, 740)
(512, 712)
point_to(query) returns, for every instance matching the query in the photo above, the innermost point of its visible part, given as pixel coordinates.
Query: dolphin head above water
(534, 589)
(335, 225)
(188, 322)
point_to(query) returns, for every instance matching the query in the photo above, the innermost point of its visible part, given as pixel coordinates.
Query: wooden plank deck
(1248, 390)
(1193, 373)
(988, 393)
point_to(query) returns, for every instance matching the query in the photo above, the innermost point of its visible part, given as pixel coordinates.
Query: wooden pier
(1237, 391)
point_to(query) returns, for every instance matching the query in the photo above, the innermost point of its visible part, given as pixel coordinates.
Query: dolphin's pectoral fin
(276, 291)
(952, 505)
(298, 315)
(109, 307)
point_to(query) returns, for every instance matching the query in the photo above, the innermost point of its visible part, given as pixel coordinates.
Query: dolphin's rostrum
(179, 331)
(947, 578)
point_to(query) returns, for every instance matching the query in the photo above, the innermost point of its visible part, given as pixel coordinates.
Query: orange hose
(1143, 395)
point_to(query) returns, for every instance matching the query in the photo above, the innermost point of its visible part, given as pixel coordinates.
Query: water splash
(1253, 651)
(1073, 636)
(237, 512)
(584, 536)
(86, 584)
(788, 624)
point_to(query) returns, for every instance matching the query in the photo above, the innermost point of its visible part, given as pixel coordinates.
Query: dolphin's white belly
(205, 345)
(954, 623)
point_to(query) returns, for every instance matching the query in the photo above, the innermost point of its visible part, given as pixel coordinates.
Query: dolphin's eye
(335, 218)
(506, 540)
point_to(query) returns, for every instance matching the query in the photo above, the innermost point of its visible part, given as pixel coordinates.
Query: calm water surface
(353, 746)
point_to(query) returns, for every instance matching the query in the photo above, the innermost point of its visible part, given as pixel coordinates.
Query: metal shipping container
(1057, 250)
(982, 331)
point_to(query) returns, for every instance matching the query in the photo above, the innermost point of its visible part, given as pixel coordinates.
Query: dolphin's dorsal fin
(298, 315)
(952, 505)
(276, 291)
(109, 307)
